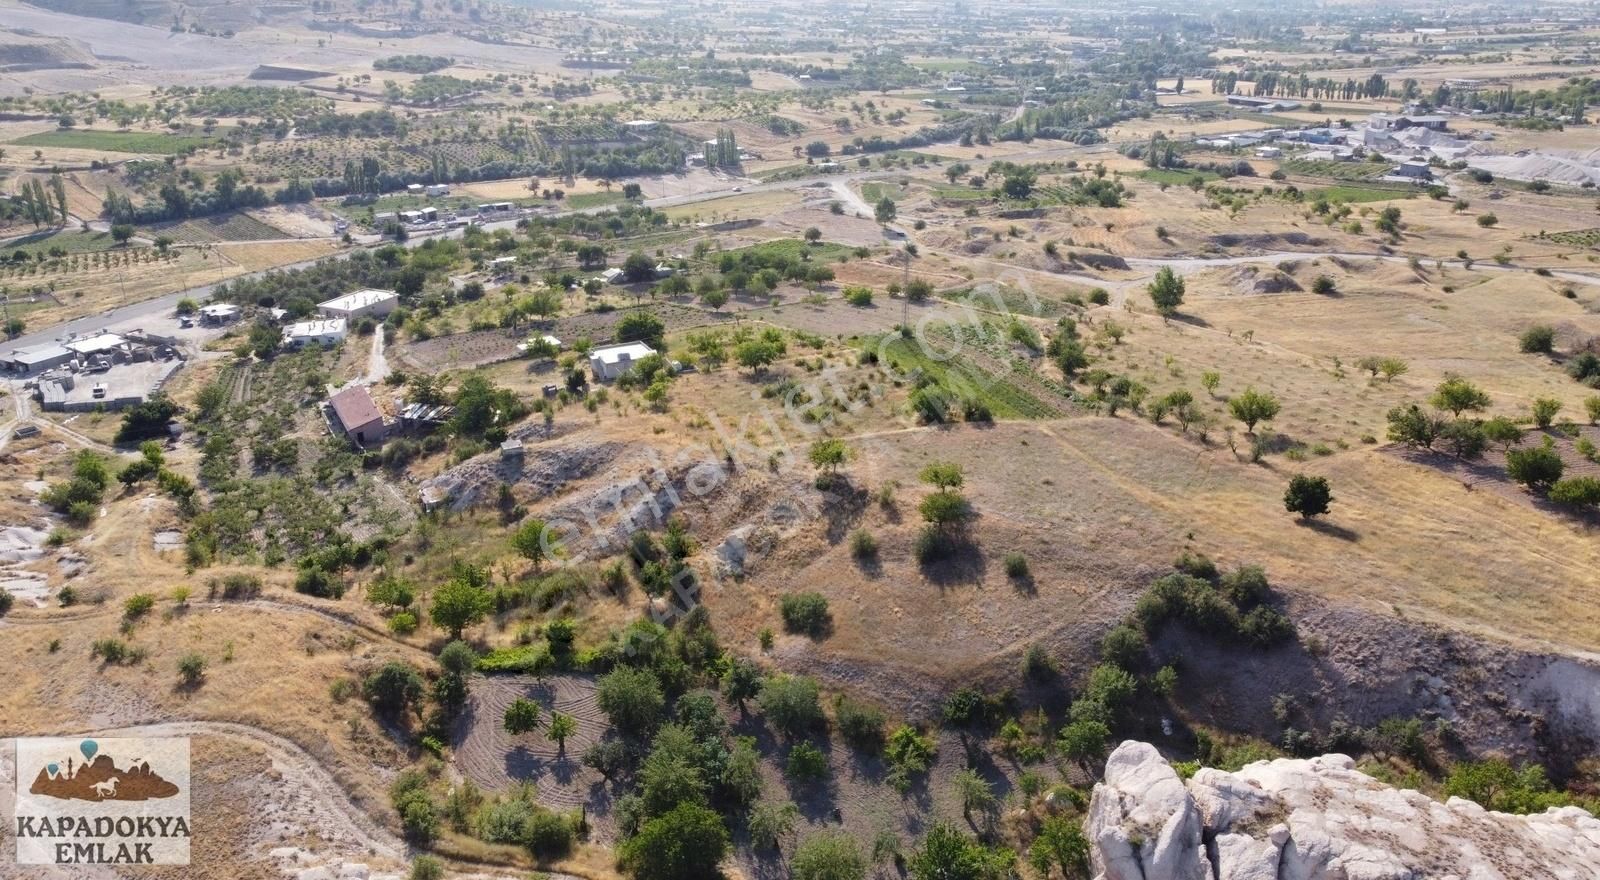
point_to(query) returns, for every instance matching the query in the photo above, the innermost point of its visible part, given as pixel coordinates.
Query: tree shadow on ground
(1332, 530)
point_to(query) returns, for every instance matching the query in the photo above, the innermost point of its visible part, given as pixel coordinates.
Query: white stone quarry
(1316, 819)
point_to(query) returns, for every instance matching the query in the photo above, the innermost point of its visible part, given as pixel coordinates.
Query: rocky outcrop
(1316, 819)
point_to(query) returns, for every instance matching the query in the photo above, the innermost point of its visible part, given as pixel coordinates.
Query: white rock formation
(1316, 819)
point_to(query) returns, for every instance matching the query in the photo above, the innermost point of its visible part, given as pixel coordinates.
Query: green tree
(457, 605)
(1502, 431)
(829, 454)
(393, 688)
(884, 211)
(1307, 495)
(1457, 395)
(828, 855)
(947, 854)
(1060, 843)
(642, 327)
(522, 716)
(529, 541)
(1084, 741)
(945, 509)
(790, 704)
(1253, 406)
(1544, 411)
(769, 823)
(973, 791)
(1537, 467)
(1166, 291)
(741, 682)
(944, 475)
(1538, 339)
(562, 726)
(685, 843)
(632, 699)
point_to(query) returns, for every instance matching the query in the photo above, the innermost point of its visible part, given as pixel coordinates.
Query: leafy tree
(685, 843)
(1591, 408)
(529, 541)
(1537, 467)
(1544, 411)
(457, 605)
(1392, 367)
(1502, 431)
(1253, 406)
(632, 699)
(884, 211)
(973, 791)
(806, 763)
(1307, 496)
(562, 726)
(945, 509)
(642, 327)
(756, 354)
(944, 475)
(607, 758)
(769, 823)
(741, 682)
(1414, 427)
(829, 454)
(947, 854)
(790, 703)
(522, 716)
(1576, 491)
(1457, 395)
(828, 855)
(147, 420)
(1060, 843)
(1166, 291)
(638, 267)
(1324, 285)
(393, 688)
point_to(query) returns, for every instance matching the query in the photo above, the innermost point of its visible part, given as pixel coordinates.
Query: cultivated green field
(160, 143)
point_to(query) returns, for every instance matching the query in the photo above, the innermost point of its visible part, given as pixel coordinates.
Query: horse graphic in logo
(97, 778)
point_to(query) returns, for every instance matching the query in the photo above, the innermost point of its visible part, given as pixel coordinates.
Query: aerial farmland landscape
(583, 440)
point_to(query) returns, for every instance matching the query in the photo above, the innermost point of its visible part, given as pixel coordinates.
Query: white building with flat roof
(325, 332)
(612, 361)
(360, 304)
(99, 342)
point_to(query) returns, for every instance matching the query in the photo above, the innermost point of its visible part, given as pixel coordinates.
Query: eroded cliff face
(1316, 819)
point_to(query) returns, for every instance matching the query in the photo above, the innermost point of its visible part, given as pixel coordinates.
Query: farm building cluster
(97, 371)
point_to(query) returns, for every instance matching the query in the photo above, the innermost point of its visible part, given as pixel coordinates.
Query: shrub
(1307, 495)
(909, 753)
(1537, 467)
(1539, 339)
(426, 868)
(1576, 491)
(861, 724)
(790, 703)
(1016, 566)
(828, 855)
(1037, 663)
(1124, 646)
(191, 669)
(806, 763)
(1245, 586)
(138, 605)
(1265, 627)
(863, 545)
(806, 613)
(1544, 411)
(393, 688)
(403, 623)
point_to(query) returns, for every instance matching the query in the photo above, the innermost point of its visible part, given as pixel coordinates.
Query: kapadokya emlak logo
(113, 800)
(97, 778)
